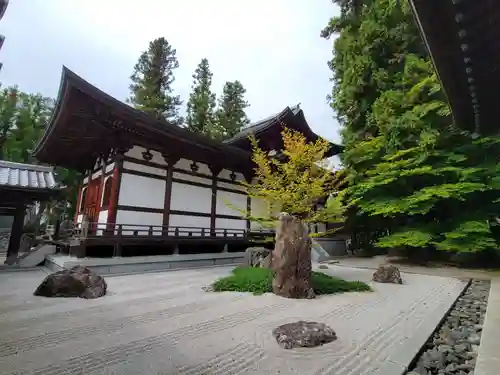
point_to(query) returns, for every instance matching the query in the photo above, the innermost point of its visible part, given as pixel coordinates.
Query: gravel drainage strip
(452, 350)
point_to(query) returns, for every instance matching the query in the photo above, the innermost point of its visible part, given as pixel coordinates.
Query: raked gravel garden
(168, 323)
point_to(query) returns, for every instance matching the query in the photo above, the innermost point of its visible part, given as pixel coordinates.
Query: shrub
(259, 280)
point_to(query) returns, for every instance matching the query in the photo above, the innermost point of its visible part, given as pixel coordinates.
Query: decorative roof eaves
(70, 80)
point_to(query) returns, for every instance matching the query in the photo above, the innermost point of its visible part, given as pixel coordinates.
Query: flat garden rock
(303, 334)
(388, 275)
(75, 282)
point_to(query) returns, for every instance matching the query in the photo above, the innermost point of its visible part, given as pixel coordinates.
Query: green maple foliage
(414, 181)
(152, 80)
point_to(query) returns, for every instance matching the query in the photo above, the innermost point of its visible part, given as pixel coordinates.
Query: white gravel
(163, 323)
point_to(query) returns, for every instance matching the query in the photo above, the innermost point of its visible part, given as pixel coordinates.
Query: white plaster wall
(226, 201)
(237, 225)
(321, 227)
(227, 175)
(141, 191)
(136, 152)
(259, 208)
(190, 198)
(145, 168)
(131, 219)
(185, 165)
(186, 177)
(186, 221)
(110, 167)
(96, 174)
(85, 180)
(101, 222)
(227, 185)
(79, 218)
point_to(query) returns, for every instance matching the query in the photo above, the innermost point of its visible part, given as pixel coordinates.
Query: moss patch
(259, 280)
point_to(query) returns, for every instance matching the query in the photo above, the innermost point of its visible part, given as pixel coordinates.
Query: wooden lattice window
(106, 192)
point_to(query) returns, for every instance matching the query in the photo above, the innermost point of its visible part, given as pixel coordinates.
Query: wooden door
(92, 204)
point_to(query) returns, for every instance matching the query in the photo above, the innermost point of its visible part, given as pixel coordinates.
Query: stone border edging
(437, 328)
(488, 356)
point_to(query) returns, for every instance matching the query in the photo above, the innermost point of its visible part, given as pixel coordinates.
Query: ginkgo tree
(294, 183)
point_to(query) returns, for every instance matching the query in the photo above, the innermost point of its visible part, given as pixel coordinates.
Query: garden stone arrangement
(177, 328)
(387, 275)
(453, 348)
(75, 282)
(303, 334)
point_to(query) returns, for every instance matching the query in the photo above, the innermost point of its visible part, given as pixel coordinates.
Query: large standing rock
(387, 274)
(291, 260)
(257, 257)
(76, 282)
(303, 334)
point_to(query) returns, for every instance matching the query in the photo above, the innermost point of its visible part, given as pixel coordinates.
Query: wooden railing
(97, 229)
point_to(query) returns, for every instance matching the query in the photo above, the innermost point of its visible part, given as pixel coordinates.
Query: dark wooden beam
(115, 187)
(15, 234)
(171, 160)
(215, 169)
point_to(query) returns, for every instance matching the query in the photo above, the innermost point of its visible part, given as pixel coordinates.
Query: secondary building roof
(462, 37)
(26, 176)
(26, 182)
(268, 130)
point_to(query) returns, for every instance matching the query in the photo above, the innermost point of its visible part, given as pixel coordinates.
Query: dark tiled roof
(27, 176)
(462, 39)
(263, 124)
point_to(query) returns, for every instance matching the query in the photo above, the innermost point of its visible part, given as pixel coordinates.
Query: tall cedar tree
(230, 115)
(415, 182)
(201, 104)
(152, 79)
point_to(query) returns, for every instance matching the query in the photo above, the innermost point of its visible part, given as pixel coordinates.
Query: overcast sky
(272, 46)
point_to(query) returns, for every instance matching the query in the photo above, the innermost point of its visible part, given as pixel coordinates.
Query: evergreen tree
(231, 116)
(201, 103)
(23, 117)
(152, 79)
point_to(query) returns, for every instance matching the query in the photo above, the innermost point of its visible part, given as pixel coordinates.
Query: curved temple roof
(462, 37)
(293, 117)
(88, 123)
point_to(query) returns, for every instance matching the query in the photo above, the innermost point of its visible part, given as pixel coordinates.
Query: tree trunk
(292, 259)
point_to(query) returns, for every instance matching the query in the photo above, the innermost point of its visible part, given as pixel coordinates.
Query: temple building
(151, 183)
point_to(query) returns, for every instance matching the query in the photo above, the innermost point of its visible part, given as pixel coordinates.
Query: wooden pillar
(16, 233)
(171, 160)
(115, 190)
(213, 206)
(101, 186)
(249, 212)
(78, 202)
(168, 193)
(248, 177)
